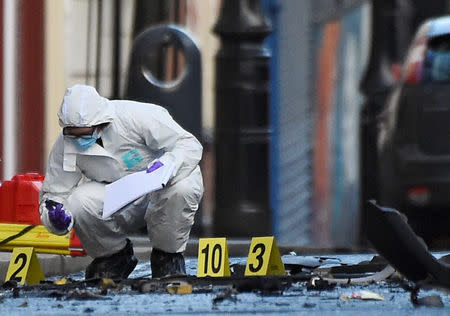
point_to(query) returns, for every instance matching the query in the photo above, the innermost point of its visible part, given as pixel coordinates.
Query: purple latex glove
(57, 216)
(157, 164)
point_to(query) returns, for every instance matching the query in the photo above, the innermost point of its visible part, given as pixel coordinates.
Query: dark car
(413, 142)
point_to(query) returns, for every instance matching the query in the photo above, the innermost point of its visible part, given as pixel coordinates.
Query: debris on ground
(317, 284)
(106, 283)
(61, 281)
(24, 304)
(304, 277)
(429, 301)
(404, 250)
(228, 293)
(361, 295)
(179, 288)
(85, 295)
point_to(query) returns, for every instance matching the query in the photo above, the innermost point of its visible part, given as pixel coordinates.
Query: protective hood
(83, 106)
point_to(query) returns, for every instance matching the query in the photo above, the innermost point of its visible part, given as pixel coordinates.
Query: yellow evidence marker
(264, 258)
(213, 257)
(24, 266)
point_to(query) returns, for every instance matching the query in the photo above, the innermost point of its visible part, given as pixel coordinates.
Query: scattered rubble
(305, 276)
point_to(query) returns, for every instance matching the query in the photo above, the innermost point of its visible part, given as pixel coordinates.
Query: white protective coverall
(137, 134)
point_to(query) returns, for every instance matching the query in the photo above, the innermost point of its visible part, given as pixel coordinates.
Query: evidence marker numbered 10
(263, 258)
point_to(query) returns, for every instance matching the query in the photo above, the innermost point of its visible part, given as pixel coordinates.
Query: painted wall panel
(342, 53)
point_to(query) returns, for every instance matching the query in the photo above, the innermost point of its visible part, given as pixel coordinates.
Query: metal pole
(242, 133)
(10, 105)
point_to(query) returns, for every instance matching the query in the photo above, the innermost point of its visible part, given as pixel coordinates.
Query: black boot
(115, 266)
(166, 264)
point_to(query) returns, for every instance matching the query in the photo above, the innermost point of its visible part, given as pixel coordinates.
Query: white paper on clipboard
(129, 188)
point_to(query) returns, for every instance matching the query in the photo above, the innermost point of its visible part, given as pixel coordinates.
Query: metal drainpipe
(242, 133)
(9, 159)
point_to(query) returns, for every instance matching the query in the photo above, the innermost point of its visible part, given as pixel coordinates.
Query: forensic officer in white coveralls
(102, 141)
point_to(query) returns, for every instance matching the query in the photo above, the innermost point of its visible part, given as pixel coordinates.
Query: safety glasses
(78, 132)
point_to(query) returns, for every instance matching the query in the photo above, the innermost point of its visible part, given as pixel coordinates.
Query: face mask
(84, 143)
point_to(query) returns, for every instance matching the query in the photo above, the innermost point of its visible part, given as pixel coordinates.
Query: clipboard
(129, 188)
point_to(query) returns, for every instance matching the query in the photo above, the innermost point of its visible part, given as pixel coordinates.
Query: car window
(436, 66)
